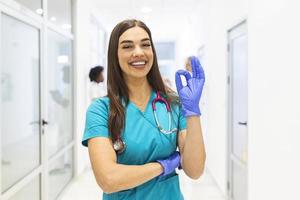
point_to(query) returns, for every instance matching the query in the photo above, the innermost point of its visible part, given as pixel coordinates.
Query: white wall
(82, 56)
(274, 110)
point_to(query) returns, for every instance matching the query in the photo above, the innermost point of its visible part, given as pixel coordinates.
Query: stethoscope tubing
(119, 145)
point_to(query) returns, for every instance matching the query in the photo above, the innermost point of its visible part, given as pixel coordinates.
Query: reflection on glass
(60, 92)
(34, 5)
(60, 174)
(60, 13)
(19, 121)
(30, 191)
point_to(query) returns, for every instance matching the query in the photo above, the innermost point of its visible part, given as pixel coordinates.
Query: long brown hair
(116, 85)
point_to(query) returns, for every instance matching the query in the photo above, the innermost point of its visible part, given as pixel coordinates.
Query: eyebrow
(130, 41)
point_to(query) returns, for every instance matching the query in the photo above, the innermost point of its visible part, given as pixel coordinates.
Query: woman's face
(135, 53)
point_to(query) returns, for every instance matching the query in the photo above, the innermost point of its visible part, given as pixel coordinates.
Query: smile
(138, 64)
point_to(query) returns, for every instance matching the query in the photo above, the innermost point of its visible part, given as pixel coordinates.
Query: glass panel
(30, 191)
(167, 72)
(240, 97)
(60, 13)
(34, 5)
(97, 43)
(19, 121)
(60, 174)
(59, 72)
(165, 50)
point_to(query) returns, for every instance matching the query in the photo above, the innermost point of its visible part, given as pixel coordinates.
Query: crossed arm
(114, 177)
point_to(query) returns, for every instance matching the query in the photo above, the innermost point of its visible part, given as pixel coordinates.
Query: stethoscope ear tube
(159, 98)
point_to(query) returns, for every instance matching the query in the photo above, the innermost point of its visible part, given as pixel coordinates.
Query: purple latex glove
(170, 163)
(190, 94)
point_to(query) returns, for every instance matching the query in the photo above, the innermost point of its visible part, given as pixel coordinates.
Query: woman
(131, 155)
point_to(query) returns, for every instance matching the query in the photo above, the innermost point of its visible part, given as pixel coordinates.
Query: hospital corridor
(149, 100)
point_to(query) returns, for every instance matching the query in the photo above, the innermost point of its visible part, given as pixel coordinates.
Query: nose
(138, 52)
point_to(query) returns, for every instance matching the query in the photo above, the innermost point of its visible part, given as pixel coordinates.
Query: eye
(127, 46)
(146, 45)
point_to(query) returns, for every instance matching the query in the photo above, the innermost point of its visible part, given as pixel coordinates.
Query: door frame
(229, 117)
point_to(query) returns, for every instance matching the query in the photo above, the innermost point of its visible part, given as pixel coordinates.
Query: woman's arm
(114, 177)
(192, 148)
(191, 144)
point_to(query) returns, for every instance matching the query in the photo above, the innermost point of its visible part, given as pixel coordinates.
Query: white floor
(85, 187)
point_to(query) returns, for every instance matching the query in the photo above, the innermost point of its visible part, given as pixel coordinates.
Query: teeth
(138, 63)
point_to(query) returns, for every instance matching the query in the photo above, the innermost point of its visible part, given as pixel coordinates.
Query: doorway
(238, 112)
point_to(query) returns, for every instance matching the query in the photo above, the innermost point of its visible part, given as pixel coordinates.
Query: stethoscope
(119, 145)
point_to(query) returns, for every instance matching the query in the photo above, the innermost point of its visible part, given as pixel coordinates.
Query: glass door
(36, 99)
(60, 112)
(20, 103)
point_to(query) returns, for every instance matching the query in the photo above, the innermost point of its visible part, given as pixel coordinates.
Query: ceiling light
(39, 11)
(53, 19)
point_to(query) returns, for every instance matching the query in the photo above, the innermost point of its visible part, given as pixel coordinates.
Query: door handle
(242, 123)
(44, 122)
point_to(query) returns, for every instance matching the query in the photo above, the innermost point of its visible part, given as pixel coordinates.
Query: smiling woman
(132, 154)
(135, 53)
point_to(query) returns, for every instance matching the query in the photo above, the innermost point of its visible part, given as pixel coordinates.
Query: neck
(139, 90)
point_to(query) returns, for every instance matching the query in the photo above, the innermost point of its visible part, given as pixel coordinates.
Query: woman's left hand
(170, 164)
(191, 93)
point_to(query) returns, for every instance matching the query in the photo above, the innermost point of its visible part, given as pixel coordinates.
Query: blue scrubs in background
(144, 144)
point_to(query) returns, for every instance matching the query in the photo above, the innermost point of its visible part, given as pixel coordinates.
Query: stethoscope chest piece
(119, 146)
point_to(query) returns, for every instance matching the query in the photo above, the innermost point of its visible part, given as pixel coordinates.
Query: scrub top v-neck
(144, 144)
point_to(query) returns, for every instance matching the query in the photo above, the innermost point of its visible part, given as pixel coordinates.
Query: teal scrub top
(144, 144)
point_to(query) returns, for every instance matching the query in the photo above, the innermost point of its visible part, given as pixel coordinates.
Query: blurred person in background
(97, 89)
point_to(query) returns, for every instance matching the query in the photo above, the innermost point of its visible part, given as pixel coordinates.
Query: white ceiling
(155, 4)
(163, 11)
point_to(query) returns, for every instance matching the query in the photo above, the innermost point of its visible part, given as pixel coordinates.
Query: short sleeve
(96, 124)
(177, 115)
(182, 120)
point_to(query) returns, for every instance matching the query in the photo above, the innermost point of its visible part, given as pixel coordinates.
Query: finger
(184, 73)
(195, 66)
(178, 81)
(201, 72)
